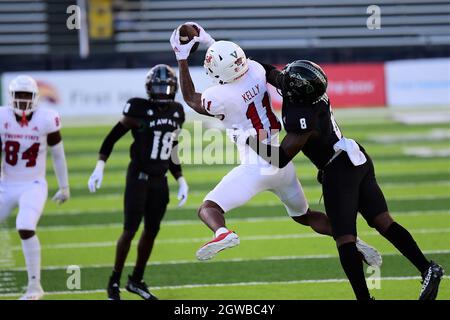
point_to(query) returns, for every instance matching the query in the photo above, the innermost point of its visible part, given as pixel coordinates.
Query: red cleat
(223, 241)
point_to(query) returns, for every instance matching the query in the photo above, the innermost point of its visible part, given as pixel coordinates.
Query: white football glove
(182, 51)
(203, 36)
(95, 181)
(62, 195)
(240, 136)
(183, 189)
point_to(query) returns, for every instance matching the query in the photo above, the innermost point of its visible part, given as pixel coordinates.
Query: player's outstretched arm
(54, 141)
(280, 156)
(272, 74)
(182, 51)
(117, 132)
(192, 98)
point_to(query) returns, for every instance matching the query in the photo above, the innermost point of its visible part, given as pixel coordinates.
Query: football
(187, 33)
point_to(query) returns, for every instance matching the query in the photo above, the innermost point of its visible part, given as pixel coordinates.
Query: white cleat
(371, 256)
(34, 292)
(222, 242)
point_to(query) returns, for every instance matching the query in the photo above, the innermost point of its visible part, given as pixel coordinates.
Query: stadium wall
(395, 84)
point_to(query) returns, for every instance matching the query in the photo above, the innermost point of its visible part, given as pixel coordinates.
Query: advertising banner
(420, 83)
(94, 92)
(351, 85)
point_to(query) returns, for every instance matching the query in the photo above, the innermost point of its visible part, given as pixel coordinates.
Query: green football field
(277, 258)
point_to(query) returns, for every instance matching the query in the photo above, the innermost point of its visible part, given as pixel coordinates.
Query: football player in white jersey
(26, 132)
(240, 100)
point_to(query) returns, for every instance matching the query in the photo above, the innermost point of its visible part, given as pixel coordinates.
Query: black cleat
(113, 290)
(139, 288)
(430, 283)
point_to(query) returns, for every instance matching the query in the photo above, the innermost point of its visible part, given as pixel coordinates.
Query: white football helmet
(22, 105)
(225, 62)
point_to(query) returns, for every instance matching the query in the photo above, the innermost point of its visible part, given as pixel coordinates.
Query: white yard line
(270, 258)
(270, 203)
(176, 223)
(274, 202)
(401, 185)
(208, 285)
(204, 239)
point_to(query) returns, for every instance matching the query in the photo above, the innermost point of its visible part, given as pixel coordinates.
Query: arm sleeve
(54, 122)
(212, 104)
(117, 132)
(271, 74)
(60, 165)
(300, 120)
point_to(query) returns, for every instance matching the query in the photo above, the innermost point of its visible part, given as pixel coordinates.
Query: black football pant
(348, 190)
(145, 197)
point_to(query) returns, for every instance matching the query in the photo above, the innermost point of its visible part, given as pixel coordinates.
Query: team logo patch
(150, 112)
(176, 114)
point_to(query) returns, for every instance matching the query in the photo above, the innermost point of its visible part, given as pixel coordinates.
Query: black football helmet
(302, 81)
(161, 83)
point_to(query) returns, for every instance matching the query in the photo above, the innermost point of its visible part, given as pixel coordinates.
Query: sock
(32, 253)
(404, 242)
(352, 264)
(220, 231)
(115, 276)
(138, 274)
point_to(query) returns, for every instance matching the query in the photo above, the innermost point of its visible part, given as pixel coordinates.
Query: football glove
(181, 50)
(240, 136)
(95, 181)
(183, 189)
(203, 36)
(62, 195)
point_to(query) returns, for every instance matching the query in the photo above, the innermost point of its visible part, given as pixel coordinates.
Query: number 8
(303, 123)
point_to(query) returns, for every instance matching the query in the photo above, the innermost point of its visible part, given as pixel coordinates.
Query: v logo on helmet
(234, 54)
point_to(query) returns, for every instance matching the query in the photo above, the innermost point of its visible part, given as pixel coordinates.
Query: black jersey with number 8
(318, 119)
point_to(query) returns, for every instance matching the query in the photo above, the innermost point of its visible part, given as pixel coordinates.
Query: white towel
(356, 156)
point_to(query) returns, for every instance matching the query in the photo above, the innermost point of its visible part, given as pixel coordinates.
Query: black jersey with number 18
(153, 140)
(315, 118)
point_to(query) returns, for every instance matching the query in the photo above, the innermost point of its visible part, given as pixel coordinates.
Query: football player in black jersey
(154, 123)
(345, 170)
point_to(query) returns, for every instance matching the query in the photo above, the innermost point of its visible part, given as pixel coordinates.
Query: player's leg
(234, 190)
(31, 205)
(288, 188)
(212, 215)
(9, 199)
(291, 194)
(134, 208)
(158, 198)
(373, 207)
(340, 191)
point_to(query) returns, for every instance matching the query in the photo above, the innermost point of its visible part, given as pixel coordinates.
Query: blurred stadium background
(389, 73)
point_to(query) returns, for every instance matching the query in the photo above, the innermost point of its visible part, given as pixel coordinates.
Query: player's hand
(203, 36)
(183, 189)
(181, 50)
(240, 136)
(62, 195)
(95, 181)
